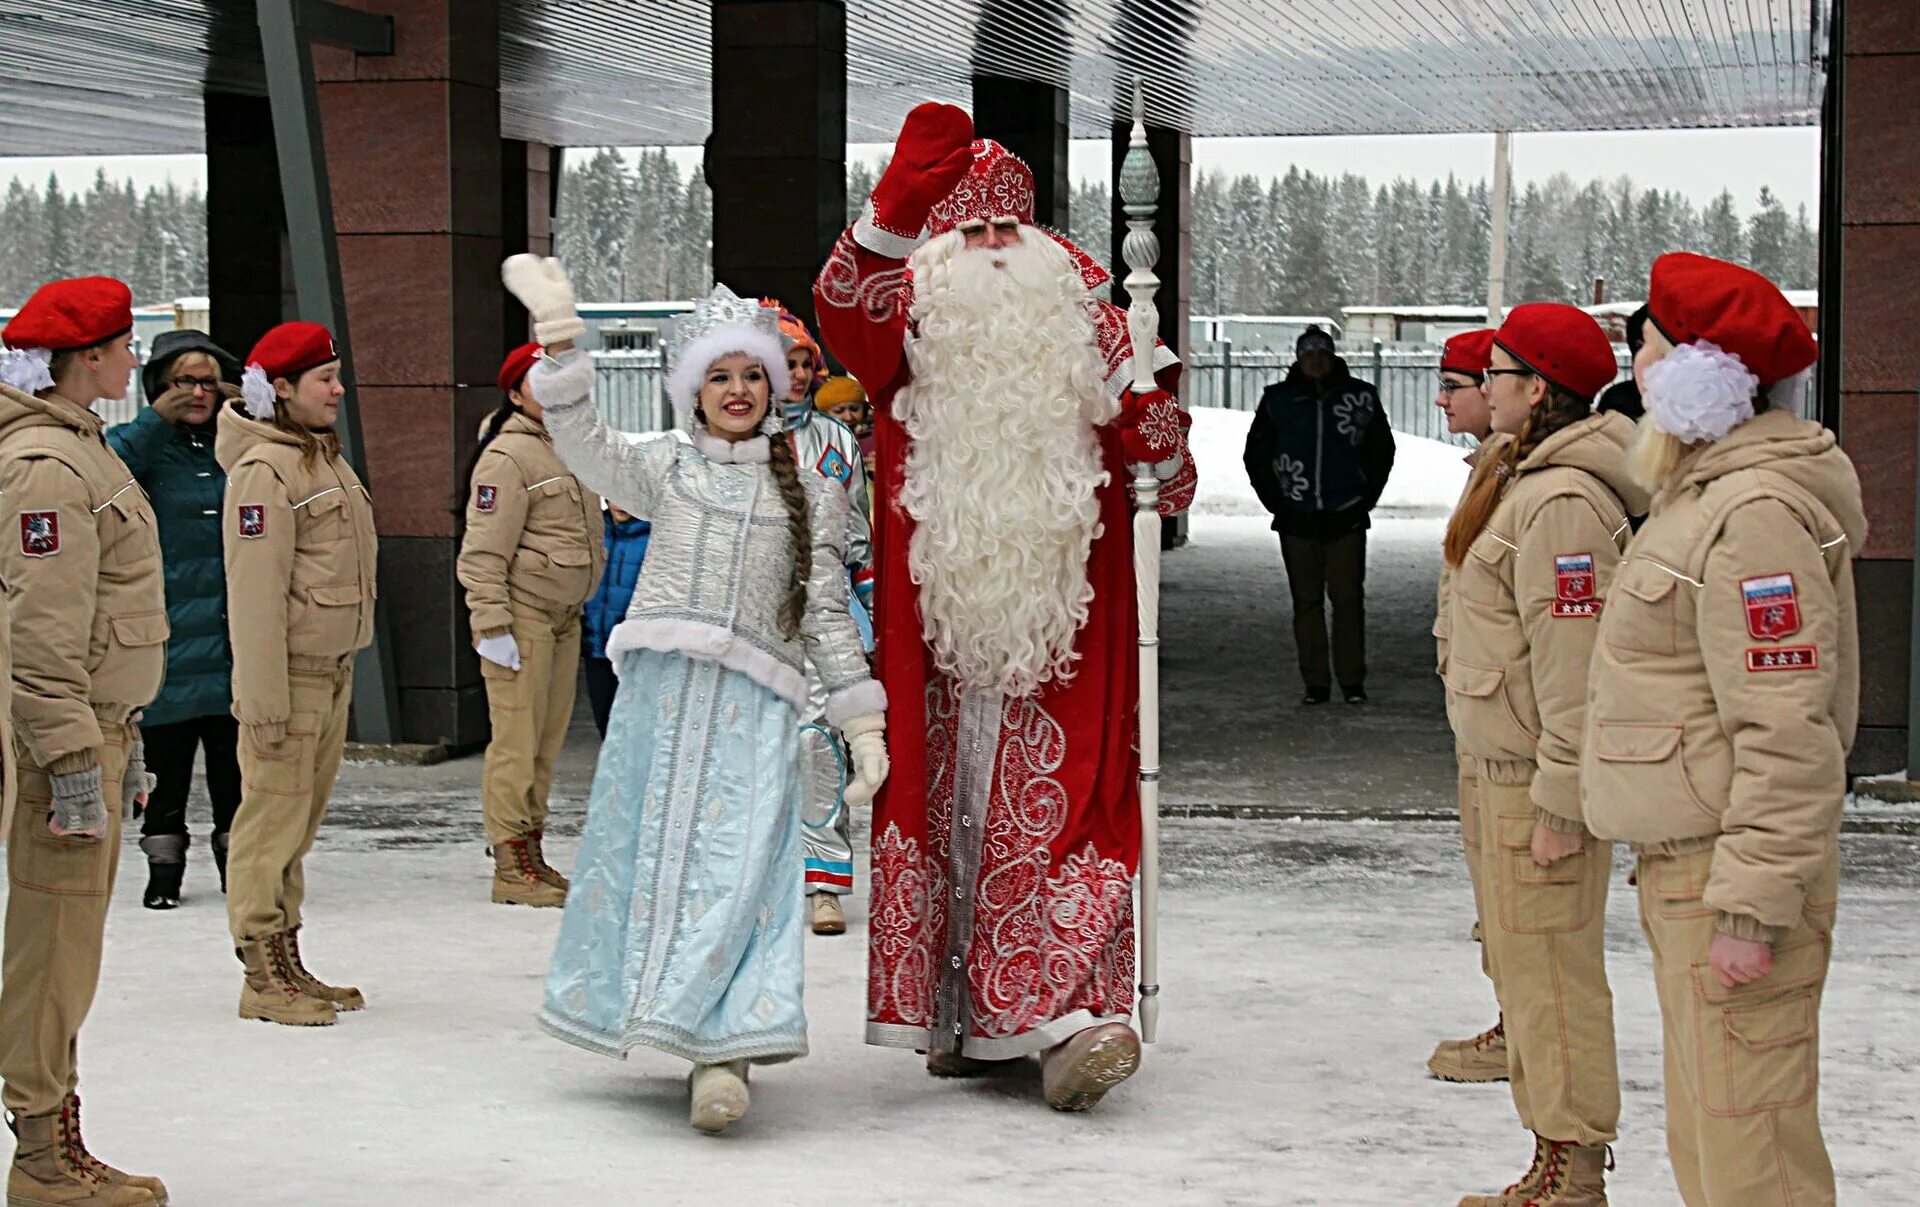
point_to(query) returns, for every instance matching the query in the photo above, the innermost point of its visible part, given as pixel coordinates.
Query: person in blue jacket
(169, 448)
(626, 550)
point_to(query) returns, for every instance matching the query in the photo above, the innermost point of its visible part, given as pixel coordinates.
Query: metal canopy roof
(95, 76)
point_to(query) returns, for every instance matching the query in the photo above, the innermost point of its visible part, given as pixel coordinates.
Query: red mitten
(934, 151)
(1152, 427)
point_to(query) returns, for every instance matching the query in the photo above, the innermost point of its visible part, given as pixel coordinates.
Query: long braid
(1560, 409)
(787, 477)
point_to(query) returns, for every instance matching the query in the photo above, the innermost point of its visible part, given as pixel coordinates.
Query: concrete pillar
(1878, 327)
(777, 158)
(248, 281)
(1031, 120)
(414, 151)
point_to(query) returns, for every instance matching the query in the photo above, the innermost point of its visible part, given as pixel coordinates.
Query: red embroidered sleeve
(861, 298)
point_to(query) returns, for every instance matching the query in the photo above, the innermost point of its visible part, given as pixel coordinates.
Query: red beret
(1469, 352)
(514, 369)
(292, 348)
(76, 313)
(1561, 343)
(1695, 299)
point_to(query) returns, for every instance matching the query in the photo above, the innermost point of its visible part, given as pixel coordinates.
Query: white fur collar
(727, 452)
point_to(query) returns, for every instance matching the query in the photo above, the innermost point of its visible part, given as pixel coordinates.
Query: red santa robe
(1006, 838)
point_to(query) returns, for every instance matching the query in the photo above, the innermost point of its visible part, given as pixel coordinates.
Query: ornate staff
(1140, 195)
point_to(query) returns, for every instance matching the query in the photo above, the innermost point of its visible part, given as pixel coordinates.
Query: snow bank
(1427, 474)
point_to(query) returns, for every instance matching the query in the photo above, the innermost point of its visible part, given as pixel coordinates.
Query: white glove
(501, 651)
(542, 286)
(866, 738)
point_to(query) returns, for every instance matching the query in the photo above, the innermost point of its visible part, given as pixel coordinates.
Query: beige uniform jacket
(533, 532)
(1726, 684)
(80, 556)
(301, 560)
(11, 775)
(1526, 604)
(1480, 462)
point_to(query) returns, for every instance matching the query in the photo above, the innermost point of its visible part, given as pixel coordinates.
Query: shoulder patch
(485, 498)
(1783, 658)
(833, 466)
(1573, 577)
(1773, 608)
(253, 520)
(39, 533)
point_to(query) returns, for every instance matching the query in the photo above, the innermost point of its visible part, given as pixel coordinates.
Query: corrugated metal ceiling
(86, 76)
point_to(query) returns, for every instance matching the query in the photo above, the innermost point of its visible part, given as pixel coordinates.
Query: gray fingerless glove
(78, 804)
(138, 781)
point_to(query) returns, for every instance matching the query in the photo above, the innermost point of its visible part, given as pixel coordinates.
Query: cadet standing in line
(81, 563)
(301, 557)
(1725, 693)
(1534, 547)
(530, 560)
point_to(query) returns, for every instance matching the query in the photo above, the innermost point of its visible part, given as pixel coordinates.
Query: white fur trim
(28, 370)
(884, 242)
(860, 700)
(1121, 379)
(690, 365)
(257, 393)
(559, 331)
(1700, 392)
(710, 641)
(757, 451)
(562, 380)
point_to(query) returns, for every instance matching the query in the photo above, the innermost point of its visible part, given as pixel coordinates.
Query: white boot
(1077, 1073)
(719, 1095)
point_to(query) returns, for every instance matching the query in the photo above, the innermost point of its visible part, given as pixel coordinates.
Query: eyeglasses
(1448, 387)
(1493, 373)
(209, 384)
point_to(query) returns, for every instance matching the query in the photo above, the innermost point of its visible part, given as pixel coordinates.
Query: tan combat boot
(552, 875)
(719, 1095)
(49, 1170)
(1482, 1058)
(828, 917)
(1575, 1176)
(1521, 1192)
(516, 879)
(70, 1117)
(1077, 1073)
(343, 997)
(272, 994)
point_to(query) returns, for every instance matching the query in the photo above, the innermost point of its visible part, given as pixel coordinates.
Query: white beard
(1004, 461)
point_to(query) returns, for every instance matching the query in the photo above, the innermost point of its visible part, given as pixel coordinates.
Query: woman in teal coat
(169, 447)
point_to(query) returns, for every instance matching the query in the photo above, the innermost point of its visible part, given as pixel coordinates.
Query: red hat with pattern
(75, 313)
(518, 364)
(1563, 344)
(1697, 299)
(1000, 185)
(286, 351)
(1469, 353)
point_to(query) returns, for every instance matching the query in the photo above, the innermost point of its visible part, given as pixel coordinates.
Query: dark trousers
(601, 682)
(1321, 570)
(170, 750)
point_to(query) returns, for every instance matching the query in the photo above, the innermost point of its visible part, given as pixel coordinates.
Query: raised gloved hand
(542, 286)
(502, 650)
(268, 733)
(933, 152)
(866, 739)
(79, 807)
(1152, 426)
(138, 781)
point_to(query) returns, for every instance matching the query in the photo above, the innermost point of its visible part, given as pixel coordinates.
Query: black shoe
(220, 856)
(1317, 695)
(1354, 695)
(163, 885)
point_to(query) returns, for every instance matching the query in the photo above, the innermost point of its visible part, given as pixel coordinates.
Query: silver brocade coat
(720, 555)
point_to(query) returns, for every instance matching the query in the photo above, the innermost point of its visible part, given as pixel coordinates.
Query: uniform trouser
(1318, 571)
(826, 834)
(1545, 936)
(1469, 789)
(1742, 1064)
(284, 791)
(531, 709)
(169, 751)
(59, 889)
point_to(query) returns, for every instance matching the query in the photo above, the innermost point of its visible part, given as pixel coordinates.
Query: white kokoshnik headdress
(723, 323)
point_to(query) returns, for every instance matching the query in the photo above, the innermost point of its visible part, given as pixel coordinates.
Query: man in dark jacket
(169, 448)
(1318, 455)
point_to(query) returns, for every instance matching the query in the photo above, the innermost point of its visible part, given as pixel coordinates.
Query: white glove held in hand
(542, 286)
(78, 805)
(501, 651)
(866, 738)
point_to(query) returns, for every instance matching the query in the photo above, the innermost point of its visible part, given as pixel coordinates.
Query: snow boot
(70, 1110)
(221, 840)
(546, 871)
(1077, 1073)
(1575, 1176)
(517, 880)
(1480, 1059)
(1521, 1192)
(271, 994)
(49, 1169)
(166, 867)
(343, 997)
(828, 917)
(719, 1095)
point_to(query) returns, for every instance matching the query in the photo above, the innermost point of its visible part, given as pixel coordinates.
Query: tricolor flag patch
(1773, 610)
(1574, 591)
(1783, 658)
(253, 521)
(486, 498)
(39, 533)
